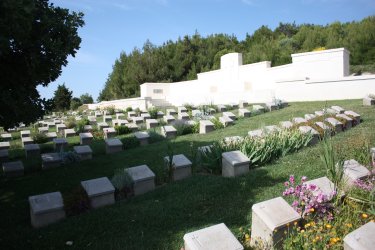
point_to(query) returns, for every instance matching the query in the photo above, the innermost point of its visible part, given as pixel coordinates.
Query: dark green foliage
(62, 98)
(122, 130)
(86, 98)
(76, 201)
(183, 128)
(217, 123)
(130, 142)
(153, 112)
(70, 122)
(183, 59)
(80, 127)
(36, 39)
(39, 138)
(155, 137)
(75, 103)
(123, 184)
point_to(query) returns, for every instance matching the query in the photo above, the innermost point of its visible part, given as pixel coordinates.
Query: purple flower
(286, 183)
(291, 179)
(303, 179)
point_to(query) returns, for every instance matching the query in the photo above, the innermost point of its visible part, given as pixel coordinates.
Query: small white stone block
(338, 126)
(119, 122)
(221, 108)
(310, 117)
(143, 137)
(235, 163)
(229, 115)
(137, 120)
(4, 155)
(87, 128)
(51, 135)
(181, 166)
(13, 169)
(272, 106)
(269, 220)
(160, 114)
(46, 209)
(92, 120)
(168, 132)
(4, 145)
(325, 127)
(109, 133)
(271, 129)
(107, 118)
(169, 119)
(51, 125)
(100, 192)
(98, 114)
(43, 130)
(25, 133)
(338, 109)
(102, 125)
(143, 179)
(120, 116)
(349, 121)
(26, 141)
(226, 121)
(299, 120)
(286, 124)
(330, 111)
(32, 150)
(146, 116)
(132, 114)
(361, 238)
(212, 238)
(259, 108)
(60, 144)
(151, 123)
(206, 126)
(234, 105)
(113, 146)
(69, 133)
(51, 160)
(315, 134)
(244, 112)
(85, 152)
(183, 116)
(243, 104)
(324, 186)
(354, 171)
(355, 116)
(133, 127)
(319, 113)
(60, 128)
(171, 112)
(367, 101)
(255, 133)
(6, 137)
(181, 109)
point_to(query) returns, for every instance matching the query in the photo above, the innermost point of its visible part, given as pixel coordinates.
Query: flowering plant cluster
(309, 199)
(366, 184)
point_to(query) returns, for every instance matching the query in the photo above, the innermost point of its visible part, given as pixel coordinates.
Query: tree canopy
(183, 59)
(86, 98)
(35, 40)
(62, 98)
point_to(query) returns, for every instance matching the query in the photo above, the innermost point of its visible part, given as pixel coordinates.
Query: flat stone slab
(367, 101)
(269, 219)
(354, 171)
(221, 108)
(26, 140)
(151, 123)
(361, 238)
(4, 145)
(299, 120)
(217, 237)
(181, 110)
(169, 119)
(244, 112)
(69, 132)
(85, 152)
(51, 160)
(226, 121)
(60, 127)
(13, 169)
(324, 186)
(143, 137)
(4, 155)
(137, 120)
(43, 129)
(235, 163)
(100, 191)
(109, 132)
(258, 108)
(256, 133)
(323, 126)
(315, 134)
(160, 114)
(286, 124)
(349, 121)
(85, 138)
(243, 104)
(319, 113)
(206, 126)
(60, 143)
(168, 132)
(335, 123)
(229, 115)
(6, 137)
(46, 209)
(32, 150)
(356, 116)
(338, 109)
(25, 133)
(171, 112)
(143, 179)
(183, 116)
(181, 166)
(51, 135)
(146, 116)
(102, 125)
(310, 116)
(272, 106)
(133, 127)
(113, 145)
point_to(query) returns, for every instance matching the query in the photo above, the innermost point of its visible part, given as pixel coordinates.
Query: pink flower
(291, 179)
(304, 178)
(286, 183)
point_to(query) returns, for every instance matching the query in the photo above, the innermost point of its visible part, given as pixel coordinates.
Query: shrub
(123, 183)
(137, 112)
(188, 106)
(122, 130)
(128, 109)
(153, 112)
(69, 157)
(110, 110)
(217, 123)
(155, 137)
(130, 142)
(39, 138)
(80, 127)
(70, 122)
(195, 128)
(210, 158)
(182, 128)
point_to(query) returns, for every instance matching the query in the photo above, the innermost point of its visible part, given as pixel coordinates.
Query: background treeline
(183, 59)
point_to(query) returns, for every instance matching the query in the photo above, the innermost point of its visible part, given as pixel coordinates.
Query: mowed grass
(159, 219)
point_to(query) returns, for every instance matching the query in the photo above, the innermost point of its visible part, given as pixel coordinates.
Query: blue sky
(113, 26)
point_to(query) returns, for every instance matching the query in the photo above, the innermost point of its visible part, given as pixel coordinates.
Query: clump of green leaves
(122, 130)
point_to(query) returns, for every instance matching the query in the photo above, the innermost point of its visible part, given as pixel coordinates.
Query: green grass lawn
(159, 219)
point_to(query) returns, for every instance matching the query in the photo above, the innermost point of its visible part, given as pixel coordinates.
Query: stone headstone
(355, 116)
(234, 163)
(315, 134)
(181, 166)
(87, 128)
(338, 126)
(244, 112)
(183, 116)
(109, 133)
(69, 133)
(221, 108)
(143, 137)
(217, 237)
(102, 125)
(181, 109)
(168, 132)
(349, 121)
(171, 112)
(367, 101)
(243, 104)
(338, 109)
(354, 171)
(100, 192)
(60, 128)
(25, 133)
(143, 179)
(13, 169)
(169, 119)
(137, 120)
(85, 152)
(229, 115)
(46, 209)
(60, 144)
(226, 121)
(324, 186)
(4, 155)
(160, 114)
(6, 137)
(43, 130)
(272, 106)
(299, 120)
(310, 116)
(361, 238)
(151, 123)
(26, 140)
(113, 146)
(286, 124)
(270, 219)
(259, 108)
(146, 116)
(206, 126)
(32, 150)
(51, 160)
